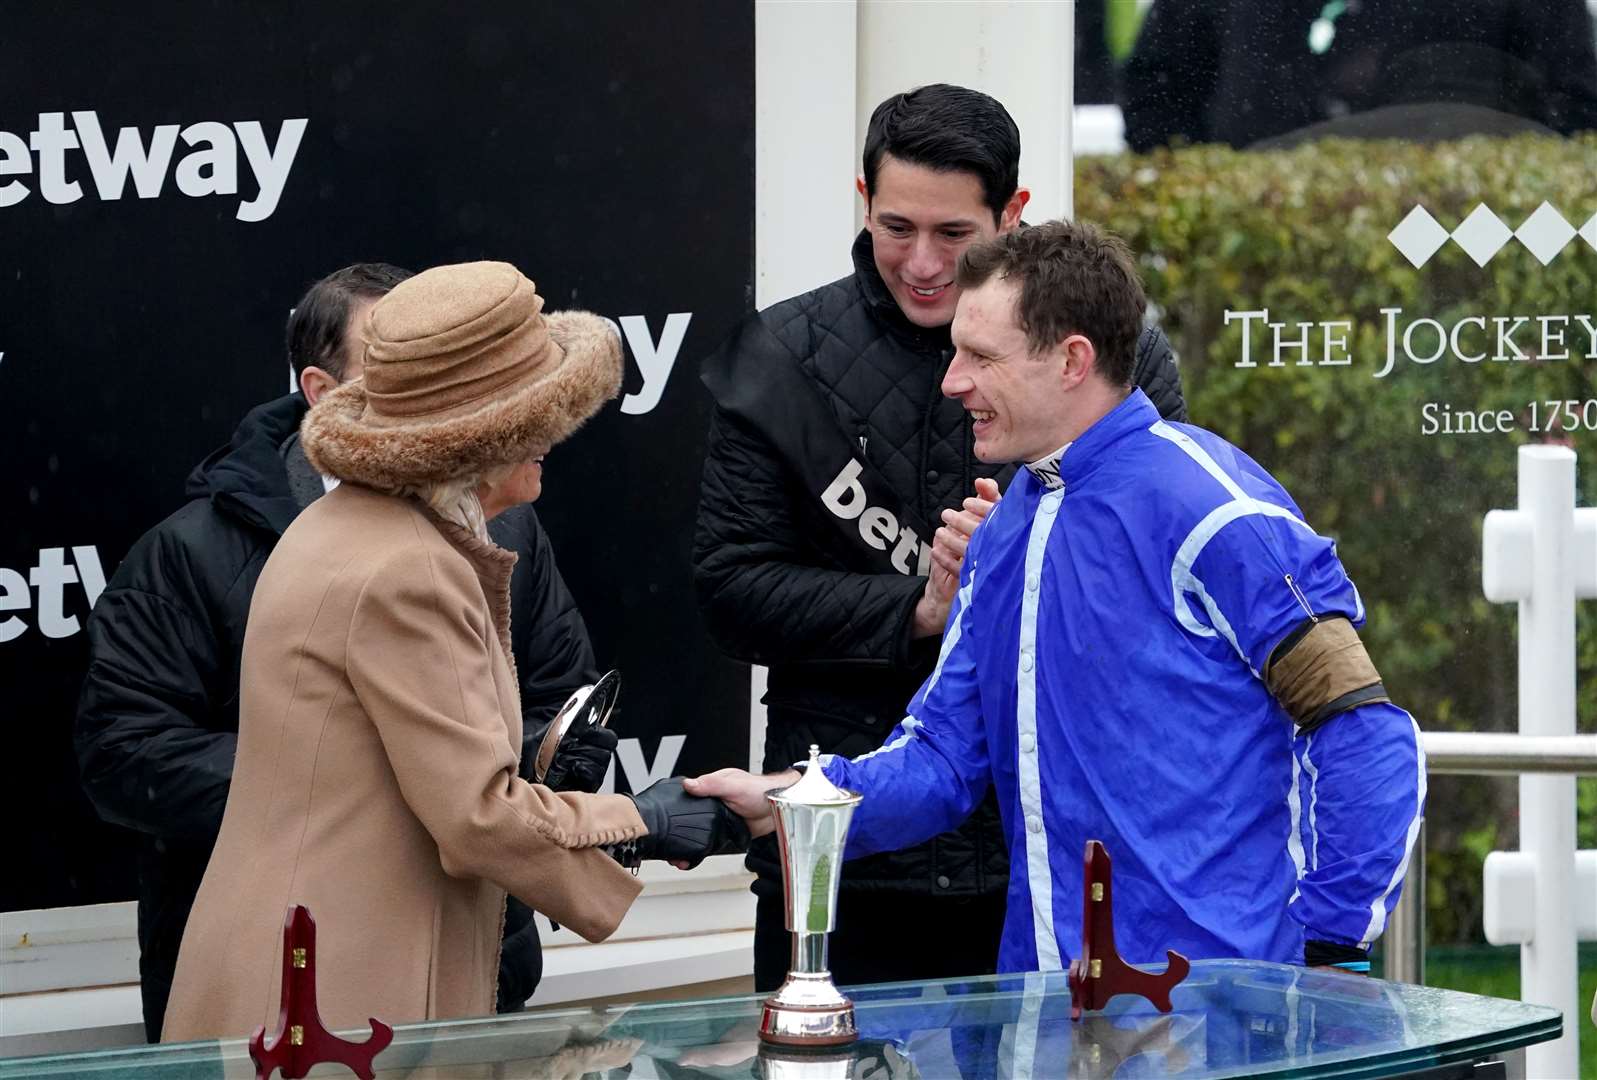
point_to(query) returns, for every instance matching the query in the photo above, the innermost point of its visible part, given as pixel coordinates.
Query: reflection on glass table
(1230, 1018)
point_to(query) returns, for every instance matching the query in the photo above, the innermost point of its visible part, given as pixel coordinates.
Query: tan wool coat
(375, 783)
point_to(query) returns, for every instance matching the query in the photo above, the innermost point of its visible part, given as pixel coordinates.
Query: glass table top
(1229, 1018)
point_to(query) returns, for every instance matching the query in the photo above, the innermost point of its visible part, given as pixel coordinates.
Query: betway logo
(655, 359)
(640, 774)
(50, 575)
(845, 497)
(209, 168)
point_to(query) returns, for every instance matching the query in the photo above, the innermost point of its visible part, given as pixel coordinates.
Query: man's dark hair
(947, 129)
(1075, 278)
(316, 325)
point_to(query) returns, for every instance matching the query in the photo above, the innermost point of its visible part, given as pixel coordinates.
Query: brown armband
(1321, 669)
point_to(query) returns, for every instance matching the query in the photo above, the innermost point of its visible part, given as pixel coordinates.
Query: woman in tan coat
(376, 772)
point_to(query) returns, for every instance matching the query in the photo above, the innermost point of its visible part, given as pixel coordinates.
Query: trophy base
(808, 1011)
(796, 1027)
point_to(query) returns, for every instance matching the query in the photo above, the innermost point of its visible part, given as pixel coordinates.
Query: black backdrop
(605, 148)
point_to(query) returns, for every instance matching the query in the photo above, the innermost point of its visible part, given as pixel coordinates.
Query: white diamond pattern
(1418, 236)
(1481, 235)
(1545, 233)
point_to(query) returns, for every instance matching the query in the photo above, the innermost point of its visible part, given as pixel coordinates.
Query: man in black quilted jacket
(832, 457)
(158, 715)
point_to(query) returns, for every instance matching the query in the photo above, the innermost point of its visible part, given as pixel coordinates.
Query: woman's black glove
(581, 760)
(685, 828)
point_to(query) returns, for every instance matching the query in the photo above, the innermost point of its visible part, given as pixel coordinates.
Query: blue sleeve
(933, 769)
(1262, 574)
(1361, 780)
(1360, 776)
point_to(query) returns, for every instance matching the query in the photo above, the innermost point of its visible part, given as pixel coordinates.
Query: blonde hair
(456, 499)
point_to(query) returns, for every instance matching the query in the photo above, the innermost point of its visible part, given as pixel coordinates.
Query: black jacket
(782, 583)
(158, 715)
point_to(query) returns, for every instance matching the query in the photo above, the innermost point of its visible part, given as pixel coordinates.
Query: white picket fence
(1543, 897)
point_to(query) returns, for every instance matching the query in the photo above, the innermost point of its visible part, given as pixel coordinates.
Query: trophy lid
(591, 706)
(813, 788)
(588, 706)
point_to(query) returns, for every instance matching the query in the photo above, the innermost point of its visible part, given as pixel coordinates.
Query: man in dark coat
(832, 455)
(158, 716)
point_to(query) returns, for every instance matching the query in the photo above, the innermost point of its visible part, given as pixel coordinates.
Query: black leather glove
(685, 828)
(581, 760)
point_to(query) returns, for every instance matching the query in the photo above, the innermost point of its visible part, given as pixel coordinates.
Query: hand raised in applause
(948, 555)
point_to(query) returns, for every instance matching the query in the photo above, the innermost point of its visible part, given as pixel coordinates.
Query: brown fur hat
(462, 372)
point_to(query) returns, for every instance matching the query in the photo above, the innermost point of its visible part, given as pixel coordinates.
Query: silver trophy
(811, 826)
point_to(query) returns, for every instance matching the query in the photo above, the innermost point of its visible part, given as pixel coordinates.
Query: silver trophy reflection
(812, 819)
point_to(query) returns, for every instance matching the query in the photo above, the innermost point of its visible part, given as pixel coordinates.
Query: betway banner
(170, 182)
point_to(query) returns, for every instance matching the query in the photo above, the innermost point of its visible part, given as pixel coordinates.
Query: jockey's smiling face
(1018, 397)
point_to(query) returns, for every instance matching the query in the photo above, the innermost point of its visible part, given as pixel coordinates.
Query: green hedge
(1303, 233)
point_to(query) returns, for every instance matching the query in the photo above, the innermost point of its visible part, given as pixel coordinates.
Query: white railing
(1474, 753)
(1451, 753)
(1486, 754)
(1543, 898)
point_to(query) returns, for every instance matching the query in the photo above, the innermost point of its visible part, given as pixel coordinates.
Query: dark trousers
(884, 936)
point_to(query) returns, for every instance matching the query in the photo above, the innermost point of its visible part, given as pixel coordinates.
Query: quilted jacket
(781, 584)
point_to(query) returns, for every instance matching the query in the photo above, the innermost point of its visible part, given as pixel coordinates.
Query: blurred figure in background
(1239, 72)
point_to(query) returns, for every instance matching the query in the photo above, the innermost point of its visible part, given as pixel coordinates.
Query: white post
(1020, 53)
(1534, 556)
(805, 148)
(804, 165)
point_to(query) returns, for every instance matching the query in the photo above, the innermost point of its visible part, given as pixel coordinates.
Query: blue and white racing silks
(1101, 669)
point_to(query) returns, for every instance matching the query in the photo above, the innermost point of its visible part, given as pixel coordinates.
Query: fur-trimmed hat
(462, 372)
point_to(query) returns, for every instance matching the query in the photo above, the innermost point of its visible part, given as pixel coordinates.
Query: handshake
(689, 818)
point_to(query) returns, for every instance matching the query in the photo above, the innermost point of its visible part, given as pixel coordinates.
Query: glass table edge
(1412, 1058)
(1533, 1031)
